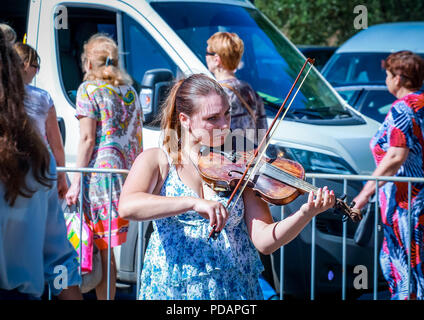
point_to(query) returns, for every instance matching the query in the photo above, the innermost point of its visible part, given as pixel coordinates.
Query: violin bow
(213, 233)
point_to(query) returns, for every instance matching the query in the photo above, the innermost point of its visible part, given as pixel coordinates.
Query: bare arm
(85, 151)
(140, 201)
(72, 293)
(54, 139)
(388, 166)
(139, 198)
(268, 236)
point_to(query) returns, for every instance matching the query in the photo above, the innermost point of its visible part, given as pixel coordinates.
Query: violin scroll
(347, 210)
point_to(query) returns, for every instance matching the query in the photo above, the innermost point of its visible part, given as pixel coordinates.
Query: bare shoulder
(149, 169)
(154, 158)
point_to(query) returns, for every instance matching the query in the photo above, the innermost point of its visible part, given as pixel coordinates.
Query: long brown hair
(183, 97)
(21, 146)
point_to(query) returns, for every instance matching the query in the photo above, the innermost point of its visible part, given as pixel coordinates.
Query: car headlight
(312, 162)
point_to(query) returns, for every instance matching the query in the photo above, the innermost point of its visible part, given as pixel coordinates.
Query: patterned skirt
(99, 203)
(395, 247)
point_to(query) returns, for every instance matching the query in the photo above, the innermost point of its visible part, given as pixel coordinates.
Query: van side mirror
(154, 89)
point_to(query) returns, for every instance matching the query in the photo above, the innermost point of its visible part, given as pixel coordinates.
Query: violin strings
(291, 180)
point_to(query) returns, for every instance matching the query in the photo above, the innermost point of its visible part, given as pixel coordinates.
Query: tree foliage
(331, 22)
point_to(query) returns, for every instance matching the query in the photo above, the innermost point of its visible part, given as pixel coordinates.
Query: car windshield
(270, 62)
(356, 68)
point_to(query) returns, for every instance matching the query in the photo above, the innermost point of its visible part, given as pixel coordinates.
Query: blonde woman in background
(223, 55)
(110, 117)
(40, 108)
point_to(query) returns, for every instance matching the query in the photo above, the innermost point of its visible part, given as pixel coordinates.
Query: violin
(277, 181)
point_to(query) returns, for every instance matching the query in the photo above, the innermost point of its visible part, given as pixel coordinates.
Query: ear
(217, 60)
(184, 120)
(397, 80)
(26, 66)
(87, 66)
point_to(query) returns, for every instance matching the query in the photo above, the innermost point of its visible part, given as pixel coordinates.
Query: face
(392, 82)
(210, 124)
(30, 70)
(211, 59)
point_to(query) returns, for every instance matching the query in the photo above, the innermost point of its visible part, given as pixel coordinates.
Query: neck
(190, 150)
(223, 74)
(27, 80)
(402, 92)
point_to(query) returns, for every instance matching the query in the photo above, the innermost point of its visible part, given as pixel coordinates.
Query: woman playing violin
(165, 186)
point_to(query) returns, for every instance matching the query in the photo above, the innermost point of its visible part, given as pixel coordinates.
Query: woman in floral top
(165, 186)
(110, 137)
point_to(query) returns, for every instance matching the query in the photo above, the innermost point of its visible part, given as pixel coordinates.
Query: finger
(311, 199)
(212, 217)
(224, 214)
(219, 218)
(318, 199)
(326, 197)
(332, 198)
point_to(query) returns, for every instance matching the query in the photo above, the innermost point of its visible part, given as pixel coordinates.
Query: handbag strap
(248, 108)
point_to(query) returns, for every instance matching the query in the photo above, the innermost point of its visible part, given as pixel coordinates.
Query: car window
(350, 96)
(355, 68)
(377, 104)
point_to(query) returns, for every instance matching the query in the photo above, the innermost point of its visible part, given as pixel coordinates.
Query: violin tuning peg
(352, 204)
(343, 197)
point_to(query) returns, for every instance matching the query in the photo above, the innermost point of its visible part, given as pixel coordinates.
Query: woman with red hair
(398, 149)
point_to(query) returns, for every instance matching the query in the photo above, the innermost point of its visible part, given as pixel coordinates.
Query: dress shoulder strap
(167, 156)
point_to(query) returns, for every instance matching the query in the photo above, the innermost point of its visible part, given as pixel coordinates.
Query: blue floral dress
(180, 263)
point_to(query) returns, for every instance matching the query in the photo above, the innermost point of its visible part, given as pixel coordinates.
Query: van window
(142, 52)
(270, 62)
(14, 13)
(82, 24)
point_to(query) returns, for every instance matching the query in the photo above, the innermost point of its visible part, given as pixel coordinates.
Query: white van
(321, 131)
